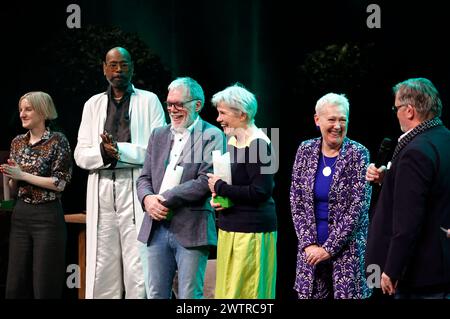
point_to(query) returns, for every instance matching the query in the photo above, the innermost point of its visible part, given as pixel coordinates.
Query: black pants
(36, 266)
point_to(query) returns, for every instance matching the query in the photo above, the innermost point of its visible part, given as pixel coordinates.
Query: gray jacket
(193, 221)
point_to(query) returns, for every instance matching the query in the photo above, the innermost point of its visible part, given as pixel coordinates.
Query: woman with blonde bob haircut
(38, 170)
(42, 103)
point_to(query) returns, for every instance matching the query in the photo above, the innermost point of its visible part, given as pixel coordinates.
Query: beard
(119, 82)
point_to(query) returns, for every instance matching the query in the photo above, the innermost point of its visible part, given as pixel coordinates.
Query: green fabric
(246, 265)
(169, 215)
(225, 202)
(7, 204)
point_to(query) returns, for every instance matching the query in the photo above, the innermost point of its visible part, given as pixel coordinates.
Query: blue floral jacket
(349, 200)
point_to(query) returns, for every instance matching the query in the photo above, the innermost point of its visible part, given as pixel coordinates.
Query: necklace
(327, 169)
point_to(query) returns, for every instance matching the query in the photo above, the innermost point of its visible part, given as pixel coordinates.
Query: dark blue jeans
(165, 255)
(36, 266)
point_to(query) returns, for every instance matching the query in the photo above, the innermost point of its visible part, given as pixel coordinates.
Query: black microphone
(383, 152)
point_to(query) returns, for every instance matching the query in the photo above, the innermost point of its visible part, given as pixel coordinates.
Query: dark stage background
(288, 54)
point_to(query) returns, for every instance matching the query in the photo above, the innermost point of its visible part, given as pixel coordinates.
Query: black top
(252, 170)
(117, 117)
(117, 121)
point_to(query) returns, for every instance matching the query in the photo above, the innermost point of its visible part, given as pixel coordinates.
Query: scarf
(422, 127)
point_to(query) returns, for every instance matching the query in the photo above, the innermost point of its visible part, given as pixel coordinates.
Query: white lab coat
(146, 113)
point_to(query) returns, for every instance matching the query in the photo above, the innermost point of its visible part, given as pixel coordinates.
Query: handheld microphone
(383, 152)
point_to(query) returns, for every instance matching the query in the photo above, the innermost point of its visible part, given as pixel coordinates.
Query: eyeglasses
(396, 108)
(114, 66)
(178, 105)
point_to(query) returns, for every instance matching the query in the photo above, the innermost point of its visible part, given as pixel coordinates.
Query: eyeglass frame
(395, 108)
(178, 108)
(113, 66)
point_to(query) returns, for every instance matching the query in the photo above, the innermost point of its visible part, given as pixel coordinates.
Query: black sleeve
(260, 186)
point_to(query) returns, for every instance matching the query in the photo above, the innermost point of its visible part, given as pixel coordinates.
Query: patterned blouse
(49, 157)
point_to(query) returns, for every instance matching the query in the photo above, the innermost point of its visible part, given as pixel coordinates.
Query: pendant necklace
(327, 169)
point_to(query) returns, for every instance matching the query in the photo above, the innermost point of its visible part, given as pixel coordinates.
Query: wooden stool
(80, 218)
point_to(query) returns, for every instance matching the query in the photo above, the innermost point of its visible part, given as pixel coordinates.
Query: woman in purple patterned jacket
(330, 201)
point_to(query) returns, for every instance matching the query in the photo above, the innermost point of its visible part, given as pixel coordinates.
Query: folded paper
(222, 169)
(172, 178)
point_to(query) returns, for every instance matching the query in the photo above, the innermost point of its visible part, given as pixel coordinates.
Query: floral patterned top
(49, 157)
(348, 205)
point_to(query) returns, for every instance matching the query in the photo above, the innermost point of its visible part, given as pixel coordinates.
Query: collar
(404, 134)
(45, 136)
(251, 133)
(128, 91)
(410, 135)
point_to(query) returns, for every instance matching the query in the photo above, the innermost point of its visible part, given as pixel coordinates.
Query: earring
(318, 128)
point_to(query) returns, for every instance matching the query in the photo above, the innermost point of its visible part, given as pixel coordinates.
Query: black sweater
(251, 193)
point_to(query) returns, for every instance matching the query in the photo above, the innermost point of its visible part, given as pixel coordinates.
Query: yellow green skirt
(246, 265)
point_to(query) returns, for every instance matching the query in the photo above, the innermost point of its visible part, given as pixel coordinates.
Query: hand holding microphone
(375, 175)
(376, 171)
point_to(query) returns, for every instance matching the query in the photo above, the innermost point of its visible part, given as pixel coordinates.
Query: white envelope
(222, 166)
(172, 178)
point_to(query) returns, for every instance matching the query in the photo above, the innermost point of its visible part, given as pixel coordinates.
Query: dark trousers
(36, 266)
(404, 294)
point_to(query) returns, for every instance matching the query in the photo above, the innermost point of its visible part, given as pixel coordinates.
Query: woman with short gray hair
(246, 247)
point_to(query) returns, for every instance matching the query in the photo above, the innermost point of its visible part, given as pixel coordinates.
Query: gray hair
(421, 93)
(239, 98)
(193, 89)
(335, 99)
(42, 104)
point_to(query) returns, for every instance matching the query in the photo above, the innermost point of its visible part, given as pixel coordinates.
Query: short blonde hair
(42, 104)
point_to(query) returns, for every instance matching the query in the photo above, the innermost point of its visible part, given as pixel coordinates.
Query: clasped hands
(109, 145)
(316, 254)
(12, 170)
(154, 207)
(212, 179)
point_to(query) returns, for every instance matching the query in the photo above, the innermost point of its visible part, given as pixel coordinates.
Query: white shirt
(181, 137)
(404, 134)
(398, 140)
